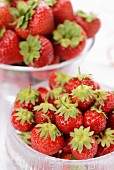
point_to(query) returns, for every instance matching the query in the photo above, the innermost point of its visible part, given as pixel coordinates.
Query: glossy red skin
(43, 93)
(67, 126)
(86, 153)
(61, 15)
(75, 82)
(46, 53)
(110, 120)
(67, 148)
(9, 48)
(17, 123)
(22, 33)
(104, 150)
(39, 118)
(5, 15)
(96, 121)
(52, 81)
(47, 146)
(85, 105)
(91, 28)
(69, 52)
(66, 156)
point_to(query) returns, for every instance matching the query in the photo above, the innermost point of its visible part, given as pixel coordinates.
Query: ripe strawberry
(22, 119)
(67, 116)
(27, 98)
(67, 156)
(5, 15)
(46, 138)
(69, 40)
(57, 7)
(106, 142)
(84, 96)
(89, 22)
(43, 93)
(33, 17)
(37, 51)
(43, 111)
(83, 143)
(9, 47)
(26, 138)
(58, 79)
(110, 120)
(104, 100)
(96, 120)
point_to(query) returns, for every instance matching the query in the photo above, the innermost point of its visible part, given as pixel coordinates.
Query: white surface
(99, 62)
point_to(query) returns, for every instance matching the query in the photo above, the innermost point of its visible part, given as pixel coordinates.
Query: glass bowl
(13, 78)
(26, 158)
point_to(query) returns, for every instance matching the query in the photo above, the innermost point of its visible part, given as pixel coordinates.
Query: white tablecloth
(99, 62)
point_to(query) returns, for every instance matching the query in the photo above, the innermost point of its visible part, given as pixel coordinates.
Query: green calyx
(89, 17)
(83, 76)
(45, 107)
(2, 31)
(25, 136)
(24, 115)
(81, 137)
(100, 96)
(83, 92)
(106, 138)
(47, 129)
(23, 13)
(55, 93)
(62, 78)
(66, 108)
(28, 95)
(50, 3)
(68, 34)
(94, 108)
(30, 49)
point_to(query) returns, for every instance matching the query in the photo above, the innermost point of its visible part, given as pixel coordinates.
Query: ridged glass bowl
(17, 77)
(26, 158)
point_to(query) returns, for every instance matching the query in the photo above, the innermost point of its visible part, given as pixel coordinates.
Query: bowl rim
(53, 66)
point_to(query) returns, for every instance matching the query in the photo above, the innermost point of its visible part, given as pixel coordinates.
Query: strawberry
(33, 17)
(58, 79)
(89, 22)
(44, 110)
(67, 156)
(57, 7)
(110, 120)
(104, 100)
(22, 119)
(46, 138)
(95, 119)
(84, 96)
(106, 142)
(83, 144)
(9, 47)
(67, 116)
(27, 98)
(37, 51)
(26, 138)
(5, 15)
(69, 40)
(43, 93)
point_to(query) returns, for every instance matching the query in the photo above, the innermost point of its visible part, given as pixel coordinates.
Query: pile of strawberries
(73, 120)
(42, 32)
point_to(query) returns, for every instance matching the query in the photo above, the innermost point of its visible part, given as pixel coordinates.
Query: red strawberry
(58, 79)
(69, 40)
(57, 7)
(5, 15)
(106, 142)
(27, 98)
(104, 100)
(89, 22)
(9, 47)
(67, 156)
(33, 17)
(67, 116)
(43, 93)
(96, 120)
(46, 138)
(43, 111)
(22, 119)
(84, 96)
(110, 120)
(25, 136)
(39, 51)
(83, 143)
